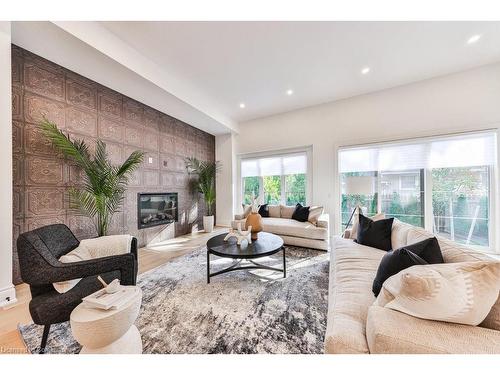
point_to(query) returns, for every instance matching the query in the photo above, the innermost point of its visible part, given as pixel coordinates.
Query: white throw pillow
(314, 213)
(91, 249)
(451, 292)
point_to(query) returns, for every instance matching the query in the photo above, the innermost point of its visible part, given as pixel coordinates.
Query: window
(251, 188)
(460, 201)
(277, 179)
(443, 184)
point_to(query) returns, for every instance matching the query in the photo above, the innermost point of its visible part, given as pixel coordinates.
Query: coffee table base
(236, 266)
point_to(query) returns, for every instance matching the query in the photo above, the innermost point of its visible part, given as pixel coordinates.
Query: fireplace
(156, 209)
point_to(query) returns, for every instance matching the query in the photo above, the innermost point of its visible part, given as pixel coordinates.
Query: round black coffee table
(267, 244)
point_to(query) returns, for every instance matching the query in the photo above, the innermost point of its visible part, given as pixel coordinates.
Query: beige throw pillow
(287, 211)
(314, 213)
(274, 210)
(451, 292)
(355, 222)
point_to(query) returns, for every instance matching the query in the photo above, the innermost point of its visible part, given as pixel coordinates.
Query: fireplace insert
(156, 209)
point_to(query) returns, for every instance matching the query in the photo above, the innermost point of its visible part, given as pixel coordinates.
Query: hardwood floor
(152, 257)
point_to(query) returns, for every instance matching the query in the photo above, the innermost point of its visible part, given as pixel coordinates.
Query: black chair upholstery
(39, 252)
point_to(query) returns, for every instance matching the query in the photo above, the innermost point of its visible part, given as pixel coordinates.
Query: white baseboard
(7, 296)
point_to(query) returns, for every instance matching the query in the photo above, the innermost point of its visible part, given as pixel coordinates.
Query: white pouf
(108, 331)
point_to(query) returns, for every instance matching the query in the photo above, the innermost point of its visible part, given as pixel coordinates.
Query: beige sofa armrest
(323, 221)
(390, 331)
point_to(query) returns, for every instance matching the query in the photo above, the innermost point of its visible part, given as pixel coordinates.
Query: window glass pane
(358, 188)
(402, 196)
(251, 186)
(295, 189)
(272, 189)
(460, 202)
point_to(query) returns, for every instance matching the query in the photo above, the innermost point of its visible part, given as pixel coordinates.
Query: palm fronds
(205, 172)
(104, 184)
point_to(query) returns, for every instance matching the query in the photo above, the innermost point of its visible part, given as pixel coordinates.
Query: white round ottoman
(108, 331)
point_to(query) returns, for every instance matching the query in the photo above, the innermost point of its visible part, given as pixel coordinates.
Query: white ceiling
(256, 62)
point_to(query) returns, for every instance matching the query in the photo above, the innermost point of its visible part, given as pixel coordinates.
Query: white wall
(225, 153)
(113, 65)
(459, 102)
(7, 292)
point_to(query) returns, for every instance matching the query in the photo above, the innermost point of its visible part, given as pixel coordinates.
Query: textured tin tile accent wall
(90, 111)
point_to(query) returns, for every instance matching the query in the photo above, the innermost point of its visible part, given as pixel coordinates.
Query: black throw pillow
(263, 210)
(301, 213)
(392, 263)
(428, 250)
(375, 233)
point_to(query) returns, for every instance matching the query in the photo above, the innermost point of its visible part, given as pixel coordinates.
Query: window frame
(307, 150)
(494, 188)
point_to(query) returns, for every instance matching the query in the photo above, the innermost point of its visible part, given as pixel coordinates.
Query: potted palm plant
(205, 172)
(104, 183)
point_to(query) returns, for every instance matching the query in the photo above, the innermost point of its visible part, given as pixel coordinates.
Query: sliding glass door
(443, 184)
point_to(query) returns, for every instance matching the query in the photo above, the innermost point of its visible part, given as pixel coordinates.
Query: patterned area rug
(253, 311)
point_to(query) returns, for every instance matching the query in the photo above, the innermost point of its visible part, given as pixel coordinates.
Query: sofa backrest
(286, 212)
(405, 234)
(274, 210)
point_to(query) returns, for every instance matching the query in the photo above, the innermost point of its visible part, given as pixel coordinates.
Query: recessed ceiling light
(473, 39)
(289, 92)
(242, 105)
(365, 70)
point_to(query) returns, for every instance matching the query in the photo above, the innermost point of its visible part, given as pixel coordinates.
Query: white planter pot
(208, 223)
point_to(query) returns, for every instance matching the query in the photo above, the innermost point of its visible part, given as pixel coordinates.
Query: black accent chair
(39, 252)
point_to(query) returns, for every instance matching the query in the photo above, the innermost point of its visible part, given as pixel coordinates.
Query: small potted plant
(205, 172)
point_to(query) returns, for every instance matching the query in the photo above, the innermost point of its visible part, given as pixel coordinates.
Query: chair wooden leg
(45, 336)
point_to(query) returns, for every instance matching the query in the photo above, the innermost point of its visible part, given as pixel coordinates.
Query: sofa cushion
(314, 214)
(274, 210)
(399, 235)
(452, 292)
(389, 331)
(375, 234)
(290, 227)
(454, 252)
(352, 269)
(287, 211)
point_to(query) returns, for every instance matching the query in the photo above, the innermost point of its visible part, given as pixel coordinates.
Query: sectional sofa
(354, 325)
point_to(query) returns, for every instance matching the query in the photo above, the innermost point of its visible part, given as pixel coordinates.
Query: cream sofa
(293, 232)
(355, 326)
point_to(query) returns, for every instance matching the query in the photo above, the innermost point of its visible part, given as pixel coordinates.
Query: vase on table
(255, 220)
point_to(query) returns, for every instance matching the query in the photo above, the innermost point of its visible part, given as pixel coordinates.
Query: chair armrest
(125, 263)
(239, 217)
(323, 221)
